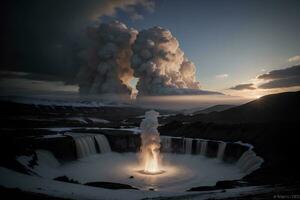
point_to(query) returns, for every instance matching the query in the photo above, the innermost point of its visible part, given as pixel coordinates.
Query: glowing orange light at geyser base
(151, 165)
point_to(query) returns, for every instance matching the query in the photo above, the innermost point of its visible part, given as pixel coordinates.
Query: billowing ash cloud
(119, 54)
(282, 78)
(247, 86)
(161, 66)
(107, 68)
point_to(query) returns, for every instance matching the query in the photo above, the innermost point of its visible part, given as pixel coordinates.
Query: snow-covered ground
(134, 130)
(97, 120)
(182, 172)
(12, 179)
(85, 120)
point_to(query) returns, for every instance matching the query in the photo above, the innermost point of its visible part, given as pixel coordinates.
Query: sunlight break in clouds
(275, 81)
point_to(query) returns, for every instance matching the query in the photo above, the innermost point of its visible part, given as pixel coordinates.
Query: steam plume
(150, 142)
(107, 68)
(160, 64)
(153, 56)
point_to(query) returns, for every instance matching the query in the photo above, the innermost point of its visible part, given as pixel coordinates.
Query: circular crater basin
(179, 172)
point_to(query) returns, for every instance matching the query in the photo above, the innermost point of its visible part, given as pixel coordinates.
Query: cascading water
(203, 147)
(198, 146)
(86, 146)
(150, 147)
(188, 145)
(103, 143)
(221, 150)
(249, 162)
(166, 143)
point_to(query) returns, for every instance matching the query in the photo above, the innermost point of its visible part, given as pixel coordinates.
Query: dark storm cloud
(248, 86)
(288, 77)
(45, 37)
(281, 73)
(12, 74)
(28, 75)
(282, 83)
(107, 68)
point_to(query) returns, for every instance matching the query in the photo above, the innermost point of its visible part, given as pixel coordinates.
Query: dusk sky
(232, 43)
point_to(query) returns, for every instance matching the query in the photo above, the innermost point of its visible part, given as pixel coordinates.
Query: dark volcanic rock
(65, 179)
(221, 185)
(233, 152)
(13, 193)
(282, 107)
(124, 142)
(27, 115)
(194, 147)
(212, 149)
(63, 148)
(177, 145)
(110, 185)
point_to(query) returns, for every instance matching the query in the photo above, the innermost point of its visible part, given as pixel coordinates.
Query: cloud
(6, 74)
(281, 73)
(110, 7)
(221, 76)
(24, 83)
(288, 77)
(107, 68)
(281, 83)
(32, 49)
(247, 86)
(294, 59)
(161, 66)
(152, 56)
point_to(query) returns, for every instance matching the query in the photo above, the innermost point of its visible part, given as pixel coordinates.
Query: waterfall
(249, 162)
(198, 147)
(203, 147)
(103, 143)
(166, 143)
(86, 144)
(221, 150)
(188, 145)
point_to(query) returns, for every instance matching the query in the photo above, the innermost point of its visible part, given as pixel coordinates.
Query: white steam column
(150, 147)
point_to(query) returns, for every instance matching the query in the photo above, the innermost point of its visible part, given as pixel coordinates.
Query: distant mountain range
(216, 108)
(282, 107)
(201, 110)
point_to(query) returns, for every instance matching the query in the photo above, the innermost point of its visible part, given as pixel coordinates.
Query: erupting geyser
(150, 148)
